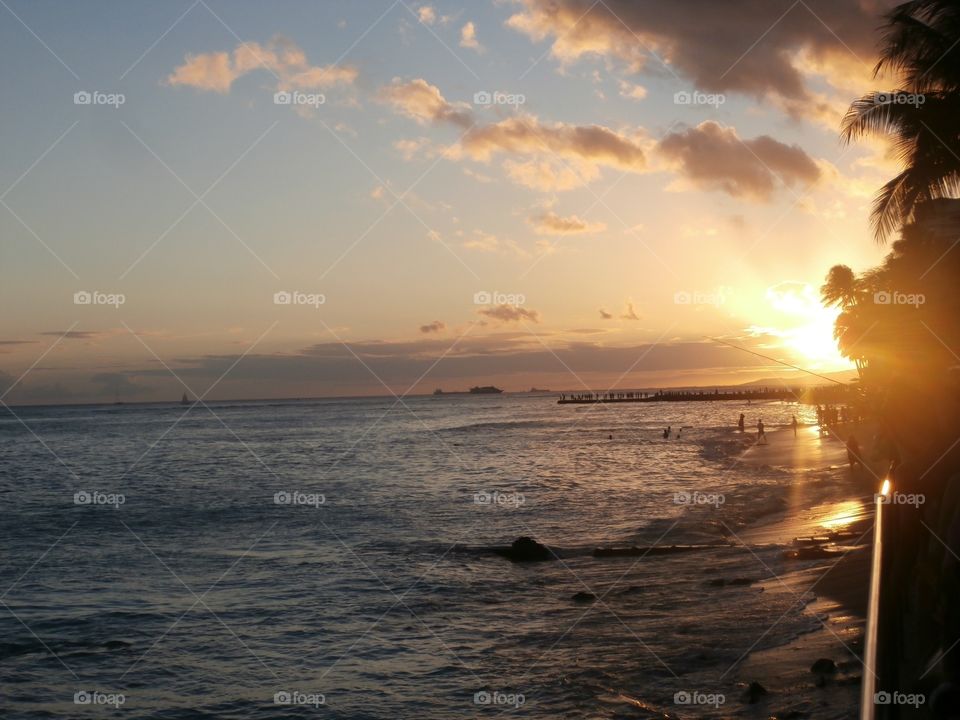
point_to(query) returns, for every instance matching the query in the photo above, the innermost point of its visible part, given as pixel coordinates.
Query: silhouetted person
(666, 433)
(853, 453)
(740, 422)
(793, 424)
(761, 435)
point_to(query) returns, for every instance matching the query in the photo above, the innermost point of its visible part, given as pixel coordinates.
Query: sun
(804, 326)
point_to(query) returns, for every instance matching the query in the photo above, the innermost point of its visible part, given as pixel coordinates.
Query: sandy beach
(832, 587)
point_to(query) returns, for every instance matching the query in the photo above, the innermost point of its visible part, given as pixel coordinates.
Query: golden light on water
(844, 513)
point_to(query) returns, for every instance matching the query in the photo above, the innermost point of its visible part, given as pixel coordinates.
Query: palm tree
(841, 287)
(922, 49)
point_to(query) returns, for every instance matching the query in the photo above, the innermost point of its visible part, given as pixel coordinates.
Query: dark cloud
(510, 313)
(714, 157)
(433, 327)
(748, 46)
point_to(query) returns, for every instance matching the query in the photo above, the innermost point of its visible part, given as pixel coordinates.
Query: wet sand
(833, 588)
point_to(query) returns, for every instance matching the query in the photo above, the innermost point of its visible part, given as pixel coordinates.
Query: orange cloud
(550, 223)
(217, 71)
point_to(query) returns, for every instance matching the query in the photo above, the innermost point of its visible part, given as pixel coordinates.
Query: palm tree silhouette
(920, 48)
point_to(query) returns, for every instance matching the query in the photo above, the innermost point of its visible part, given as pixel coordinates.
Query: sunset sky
(647, 174)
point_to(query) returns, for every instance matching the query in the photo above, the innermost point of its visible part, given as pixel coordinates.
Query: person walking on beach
(793, 424)
(853, 453)
(740, 422)
(761, 435)
(666, 433)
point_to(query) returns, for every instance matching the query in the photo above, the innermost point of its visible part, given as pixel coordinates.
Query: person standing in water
(793, 424)
(740, 422)
(761, 435)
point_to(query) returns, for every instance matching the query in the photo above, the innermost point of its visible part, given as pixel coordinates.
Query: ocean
(278, 559)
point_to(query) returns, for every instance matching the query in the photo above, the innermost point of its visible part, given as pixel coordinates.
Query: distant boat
(438, 391)
(485, 390)
(533, 389)
(184, 400)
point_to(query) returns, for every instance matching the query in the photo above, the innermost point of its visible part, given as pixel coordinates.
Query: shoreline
(833, 588)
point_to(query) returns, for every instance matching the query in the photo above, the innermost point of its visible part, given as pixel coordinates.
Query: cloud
(433, 327)
(485, 242)
(526, 135)
(75, 334)
(427, 15)
(217, 71)
(510, 313)
(630, 313)
(604, 315)
(554, 156)
(631, 91)
(755, 48)
(545, 156)
(714, 157)
(423, 102)
(468, 37)
(550, 223)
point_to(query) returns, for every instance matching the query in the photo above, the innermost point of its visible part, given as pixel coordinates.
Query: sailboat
(185, 400)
